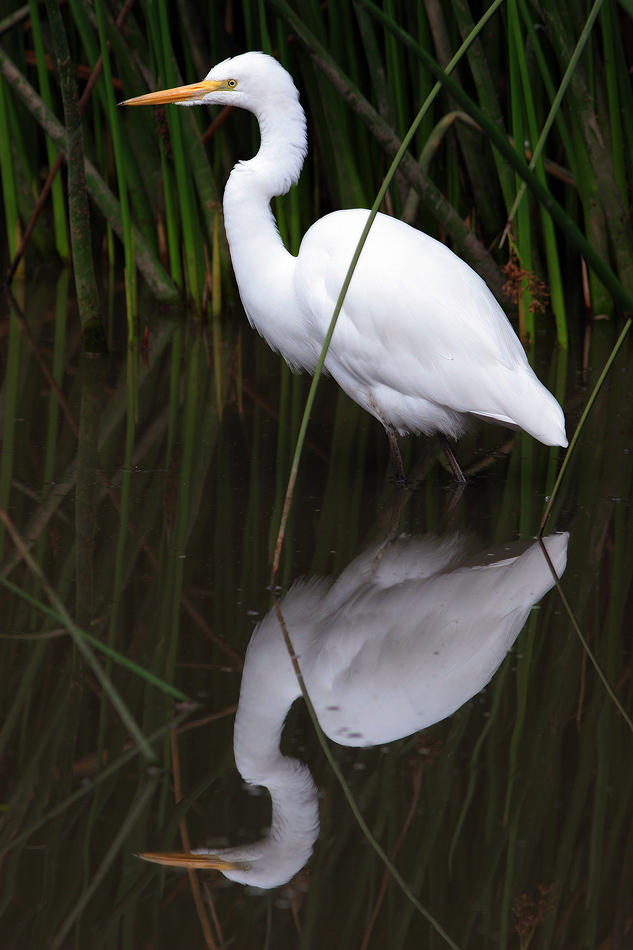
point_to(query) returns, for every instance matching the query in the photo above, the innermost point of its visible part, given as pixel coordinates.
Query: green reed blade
(22, 695)
(581, 424)
(148, 262)
(464, 238)
(88, 788)
(523, 234)
(99, 645)
(12, 221)
(586, 107)
(614, 74)
(558, 97)
(188, 219)
(576, 157)
(550, 242)
(536, 164)
(57, 197)
(619, 290)
(120, 164)
(10, 411)
(487, 89)
(379, 85)
(590, 654)
(59, 356)
(78, 213)
(137, 809)
(469, 157)
(124, 513)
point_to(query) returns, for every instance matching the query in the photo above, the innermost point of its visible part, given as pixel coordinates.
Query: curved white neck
(263, 267)
(274, 169)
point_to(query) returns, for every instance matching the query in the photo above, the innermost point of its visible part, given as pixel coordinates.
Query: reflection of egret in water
(408, 633)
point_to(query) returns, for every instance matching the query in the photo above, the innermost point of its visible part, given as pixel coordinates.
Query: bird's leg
(455, 492)
(458, 475)
(401, 478)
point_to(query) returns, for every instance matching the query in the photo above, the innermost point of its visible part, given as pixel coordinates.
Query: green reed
(375, 62)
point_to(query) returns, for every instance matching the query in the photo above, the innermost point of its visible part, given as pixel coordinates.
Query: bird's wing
(416, 318)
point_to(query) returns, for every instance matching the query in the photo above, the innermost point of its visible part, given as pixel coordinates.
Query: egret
(409, 632)
(420, 343)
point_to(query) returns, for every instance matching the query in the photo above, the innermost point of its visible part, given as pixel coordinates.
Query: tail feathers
(544, 419)
(532, 408)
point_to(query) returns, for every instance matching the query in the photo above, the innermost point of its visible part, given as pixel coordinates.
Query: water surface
(149, 497)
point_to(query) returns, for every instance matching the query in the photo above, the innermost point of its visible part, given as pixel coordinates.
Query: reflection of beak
(208, 862)
(197, 90)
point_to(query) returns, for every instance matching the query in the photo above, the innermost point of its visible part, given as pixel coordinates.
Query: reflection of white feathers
(407, 634)
(402, 639)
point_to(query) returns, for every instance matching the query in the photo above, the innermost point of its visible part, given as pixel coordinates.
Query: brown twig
(204, 720)
(417, 777)
(194, 884)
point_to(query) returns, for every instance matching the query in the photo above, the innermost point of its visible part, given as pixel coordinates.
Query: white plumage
(404, 637)
(421, 343)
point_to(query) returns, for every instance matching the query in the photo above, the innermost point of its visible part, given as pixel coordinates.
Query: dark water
(153, 515)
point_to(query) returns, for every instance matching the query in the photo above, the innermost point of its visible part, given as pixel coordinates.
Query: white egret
(421, 343)
(404, 637)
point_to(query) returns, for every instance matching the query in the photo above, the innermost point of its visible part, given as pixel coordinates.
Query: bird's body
(421, 342)
(398, 359)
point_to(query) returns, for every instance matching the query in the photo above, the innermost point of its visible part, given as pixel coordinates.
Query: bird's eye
(231, 83)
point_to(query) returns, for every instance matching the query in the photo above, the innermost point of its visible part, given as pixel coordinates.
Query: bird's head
(245, 81)
(265, 864)
(203, 860)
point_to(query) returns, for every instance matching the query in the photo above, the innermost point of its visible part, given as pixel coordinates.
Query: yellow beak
(196, 90)
(175, 859)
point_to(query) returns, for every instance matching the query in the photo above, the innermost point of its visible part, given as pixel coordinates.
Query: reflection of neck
(269, 687)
